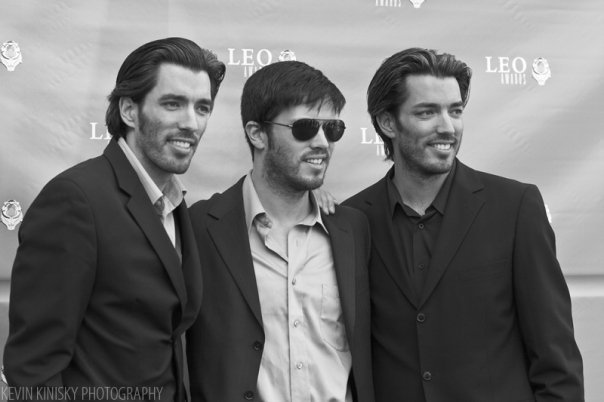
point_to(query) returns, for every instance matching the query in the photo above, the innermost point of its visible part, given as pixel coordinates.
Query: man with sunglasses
(468, 300)
(285, 314)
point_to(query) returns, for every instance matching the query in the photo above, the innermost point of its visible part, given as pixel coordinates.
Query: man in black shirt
(469, 302)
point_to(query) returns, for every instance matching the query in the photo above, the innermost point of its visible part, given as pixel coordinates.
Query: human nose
(445, 124)
(320, 140)
(189, 119)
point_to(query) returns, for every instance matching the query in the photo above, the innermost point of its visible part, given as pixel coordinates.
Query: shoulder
(349, 219)
(493, 185)
(366, 197)
(219, 201)
(501, 182)
(350, 214)
(84, 178)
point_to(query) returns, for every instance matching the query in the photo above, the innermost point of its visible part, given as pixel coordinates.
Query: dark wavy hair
(138, 74)
(388, 88)
(282, 85)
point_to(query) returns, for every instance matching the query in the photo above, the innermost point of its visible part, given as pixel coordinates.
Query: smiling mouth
(443, 147)
(184, 145)
(315, 161)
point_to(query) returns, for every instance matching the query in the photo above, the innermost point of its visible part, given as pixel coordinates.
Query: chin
(308, 184)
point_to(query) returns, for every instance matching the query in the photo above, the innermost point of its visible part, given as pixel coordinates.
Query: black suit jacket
(224, 346)
(98, 294)
(493, 322)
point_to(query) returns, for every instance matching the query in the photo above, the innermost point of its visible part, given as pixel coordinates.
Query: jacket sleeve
(51, 282)
(543, 306)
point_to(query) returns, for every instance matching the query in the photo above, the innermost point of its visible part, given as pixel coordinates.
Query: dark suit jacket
(224, 346)
(98, 294)
(493, 323)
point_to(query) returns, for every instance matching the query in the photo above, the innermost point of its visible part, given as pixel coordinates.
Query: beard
(284, 171)
(156, 149)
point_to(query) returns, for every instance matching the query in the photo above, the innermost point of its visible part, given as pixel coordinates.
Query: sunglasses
(305, 129)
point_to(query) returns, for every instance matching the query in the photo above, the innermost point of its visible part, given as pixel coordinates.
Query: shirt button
(421, 317)
(299, 366)
(421, 226)
(421, 267)
(296, 323)
(427, 376)
(294, 281)
(257, 345)
(248, 395)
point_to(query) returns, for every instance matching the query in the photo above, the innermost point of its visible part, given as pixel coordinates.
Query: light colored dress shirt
(164, 203)
(306, 357)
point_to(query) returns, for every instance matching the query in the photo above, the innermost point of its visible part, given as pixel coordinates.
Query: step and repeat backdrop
(535, 110)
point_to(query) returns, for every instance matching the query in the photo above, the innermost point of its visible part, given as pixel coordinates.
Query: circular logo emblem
(541, 70)
(10, 55)
(11, 214)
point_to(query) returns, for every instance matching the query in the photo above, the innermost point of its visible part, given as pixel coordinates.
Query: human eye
(457, 111)
(424, 113)
(171, 104)
(204, 109)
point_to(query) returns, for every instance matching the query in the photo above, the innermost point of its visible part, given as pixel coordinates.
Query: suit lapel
(228, 230)
(462, 207)
(343, 251)
(142, 211)
(383, 239)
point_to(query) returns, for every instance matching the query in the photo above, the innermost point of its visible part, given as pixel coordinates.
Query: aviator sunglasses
(305, 129)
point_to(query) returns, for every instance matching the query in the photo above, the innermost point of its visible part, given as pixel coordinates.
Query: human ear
(128, 111)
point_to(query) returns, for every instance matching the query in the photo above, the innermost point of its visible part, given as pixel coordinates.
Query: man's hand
(326, 201)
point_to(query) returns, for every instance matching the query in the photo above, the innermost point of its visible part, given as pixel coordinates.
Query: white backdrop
(52, 105)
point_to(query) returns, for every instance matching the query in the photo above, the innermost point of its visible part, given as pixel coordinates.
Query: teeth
(442, 147)
(182, 144)
(315, 161)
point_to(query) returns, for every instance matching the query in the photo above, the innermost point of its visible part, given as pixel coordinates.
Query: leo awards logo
(513, 70)
(370, 137)
(98, 134)
(397, 3)
(251, 60)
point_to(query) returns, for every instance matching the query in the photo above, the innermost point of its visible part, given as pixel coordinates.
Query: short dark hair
(282, 85)
(138, 74)
(388, 89)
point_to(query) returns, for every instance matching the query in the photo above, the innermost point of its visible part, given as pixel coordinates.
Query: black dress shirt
(417, 234)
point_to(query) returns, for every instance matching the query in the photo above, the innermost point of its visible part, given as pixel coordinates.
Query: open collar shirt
(306, 357)
(164, 202)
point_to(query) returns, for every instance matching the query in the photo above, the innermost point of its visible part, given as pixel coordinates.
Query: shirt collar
(254, 208)
(174, 191)
(440, 201)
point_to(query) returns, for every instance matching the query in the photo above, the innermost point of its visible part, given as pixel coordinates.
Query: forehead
(182, 81)
(431, 89)
(323, 110)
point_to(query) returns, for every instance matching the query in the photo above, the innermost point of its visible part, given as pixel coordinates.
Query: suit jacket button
(248, 395)
(257, 345)
(421, 317)
(427, 376)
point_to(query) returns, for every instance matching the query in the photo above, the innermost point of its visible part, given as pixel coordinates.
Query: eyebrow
(183, 98)
(435, 105)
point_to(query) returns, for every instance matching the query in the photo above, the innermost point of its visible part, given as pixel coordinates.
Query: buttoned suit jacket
(224, 346)
(98, 294)
(493, 321)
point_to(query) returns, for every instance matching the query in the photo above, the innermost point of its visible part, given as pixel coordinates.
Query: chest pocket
(332, 320)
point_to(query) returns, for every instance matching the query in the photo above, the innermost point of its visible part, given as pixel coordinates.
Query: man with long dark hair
(107, 275)
(468, 300)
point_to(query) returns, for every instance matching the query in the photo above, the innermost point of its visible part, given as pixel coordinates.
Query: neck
(159, 176)
(417, 190)
(284, 206)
